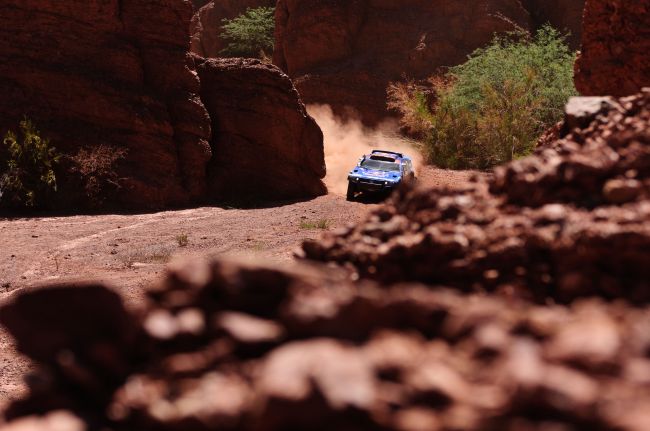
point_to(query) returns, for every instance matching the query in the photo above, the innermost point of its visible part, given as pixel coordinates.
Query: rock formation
(265, 145)
(614, 55)
(345, 53)
(117, 75)
(207, 22)
(112, 74)
(570, 221)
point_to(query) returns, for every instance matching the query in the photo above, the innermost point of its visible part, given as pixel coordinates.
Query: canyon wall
(614, 56)
(118, 76)
(345, 53)
(265, 145)
(207, 22)
(112, 74)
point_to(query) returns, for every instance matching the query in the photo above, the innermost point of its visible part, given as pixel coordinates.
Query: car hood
(373, 173)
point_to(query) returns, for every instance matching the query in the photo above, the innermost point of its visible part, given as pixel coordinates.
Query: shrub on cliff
(250, 34)
(95, 168)
(27, 177)
(493, 108)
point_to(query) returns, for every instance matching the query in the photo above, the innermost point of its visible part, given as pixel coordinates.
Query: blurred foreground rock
(230, 346)
(571, 221)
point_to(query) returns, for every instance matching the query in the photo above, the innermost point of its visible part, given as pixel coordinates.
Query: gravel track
(130, 251)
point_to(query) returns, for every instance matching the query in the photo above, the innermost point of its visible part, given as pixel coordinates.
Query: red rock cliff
(615, 54)
(111, 73)
(345, 53)
(118, 74)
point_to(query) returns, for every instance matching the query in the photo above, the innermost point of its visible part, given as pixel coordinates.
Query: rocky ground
(130, 251)
(516, 301)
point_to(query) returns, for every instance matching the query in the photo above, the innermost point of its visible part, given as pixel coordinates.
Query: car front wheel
(352, 190)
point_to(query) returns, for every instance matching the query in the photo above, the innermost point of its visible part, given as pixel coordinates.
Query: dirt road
(130, 251)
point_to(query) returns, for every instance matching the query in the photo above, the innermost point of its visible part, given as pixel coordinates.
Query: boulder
(579, 112)
(614, 57)
(265, 145)
(208, 20)
(112, 74)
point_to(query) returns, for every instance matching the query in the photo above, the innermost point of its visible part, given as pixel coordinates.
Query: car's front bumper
(373, 185)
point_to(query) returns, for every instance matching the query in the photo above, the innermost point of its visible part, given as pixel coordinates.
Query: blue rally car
(379, 172)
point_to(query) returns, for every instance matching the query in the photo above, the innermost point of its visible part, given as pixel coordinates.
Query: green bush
(250, 34)
(494, 107)
(27, 177)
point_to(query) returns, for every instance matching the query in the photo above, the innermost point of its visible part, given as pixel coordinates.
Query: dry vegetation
(493, 108)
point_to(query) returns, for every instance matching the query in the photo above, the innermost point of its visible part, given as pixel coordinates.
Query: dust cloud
(347, 140)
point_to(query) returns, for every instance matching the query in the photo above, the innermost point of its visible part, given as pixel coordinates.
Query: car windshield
(380, 166)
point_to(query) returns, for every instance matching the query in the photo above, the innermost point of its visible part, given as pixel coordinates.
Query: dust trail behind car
(347, 140)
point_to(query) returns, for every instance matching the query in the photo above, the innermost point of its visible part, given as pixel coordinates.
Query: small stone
(620, 191)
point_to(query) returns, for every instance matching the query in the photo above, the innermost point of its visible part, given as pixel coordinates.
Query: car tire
(352, 189)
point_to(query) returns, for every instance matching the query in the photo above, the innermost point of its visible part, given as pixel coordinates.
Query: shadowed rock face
(614, 54)
(226, 346)
(198, 4)
(118, 75)
(570, 221)
(115, 74)
(345, 53)
(207, 22)
(564, 15)
(265, 145)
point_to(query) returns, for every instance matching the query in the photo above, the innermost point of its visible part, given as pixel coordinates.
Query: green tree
(27, 177)
(494, 107)
(250, 34)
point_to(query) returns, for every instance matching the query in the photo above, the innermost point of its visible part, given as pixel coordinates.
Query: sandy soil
(130, 251)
